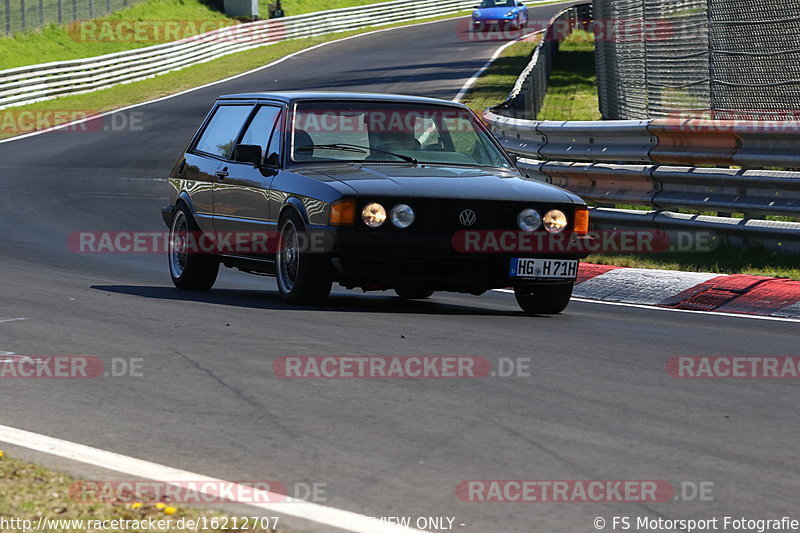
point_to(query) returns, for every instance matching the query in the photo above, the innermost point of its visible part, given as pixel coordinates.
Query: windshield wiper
(356, 148)
(308, 147)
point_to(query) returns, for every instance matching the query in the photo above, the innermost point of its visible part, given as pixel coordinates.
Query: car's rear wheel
(302, 275)
(413, 292)
(543, 299)
(191, 270)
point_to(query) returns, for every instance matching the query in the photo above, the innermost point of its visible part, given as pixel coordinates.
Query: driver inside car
(398, 141)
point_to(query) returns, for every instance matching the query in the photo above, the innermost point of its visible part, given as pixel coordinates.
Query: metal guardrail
(28, 84)
(665, 141)
(647, 163)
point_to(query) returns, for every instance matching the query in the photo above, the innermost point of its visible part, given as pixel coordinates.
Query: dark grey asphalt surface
(598, 405)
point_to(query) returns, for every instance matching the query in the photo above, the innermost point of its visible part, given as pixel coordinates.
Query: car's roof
(294, 96)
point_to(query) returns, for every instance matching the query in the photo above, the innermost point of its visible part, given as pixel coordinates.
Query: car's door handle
(221, 174)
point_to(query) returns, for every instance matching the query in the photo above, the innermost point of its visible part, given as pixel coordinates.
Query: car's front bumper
(390, 259)
(494, 20)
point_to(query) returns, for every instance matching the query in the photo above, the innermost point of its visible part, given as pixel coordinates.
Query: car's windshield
(485, 4)
(391, 132)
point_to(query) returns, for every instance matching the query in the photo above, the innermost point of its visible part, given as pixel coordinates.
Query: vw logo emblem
(467, 217)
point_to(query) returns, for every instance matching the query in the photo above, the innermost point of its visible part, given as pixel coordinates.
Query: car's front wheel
(190, 269)
(543, 299)
(302, 275)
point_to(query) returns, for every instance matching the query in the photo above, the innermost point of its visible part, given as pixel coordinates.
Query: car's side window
(261, 127)
(276, 141)
(223, 129)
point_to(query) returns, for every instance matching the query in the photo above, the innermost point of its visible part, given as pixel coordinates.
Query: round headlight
(373, 215)
(554, 221)
(529, 220)
(402, 215)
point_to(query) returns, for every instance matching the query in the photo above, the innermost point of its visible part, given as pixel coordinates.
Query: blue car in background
(509, 13)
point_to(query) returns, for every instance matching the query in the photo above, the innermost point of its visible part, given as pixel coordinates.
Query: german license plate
(543, 268)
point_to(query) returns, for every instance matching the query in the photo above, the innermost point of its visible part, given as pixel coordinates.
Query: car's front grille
(447, 215)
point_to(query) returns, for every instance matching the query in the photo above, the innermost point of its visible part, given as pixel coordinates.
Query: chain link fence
(722, 59)
(21, 15)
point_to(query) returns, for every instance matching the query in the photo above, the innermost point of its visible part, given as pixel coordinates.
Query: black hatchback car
(368, 190)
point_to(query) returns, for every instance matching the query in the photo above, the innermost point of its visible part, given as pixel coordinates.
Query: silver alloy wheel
(288, 257)
(178, 244)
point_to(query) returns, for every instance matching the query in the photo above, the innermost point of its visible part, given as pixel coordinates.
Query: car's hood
(440, 182)
(493, 12)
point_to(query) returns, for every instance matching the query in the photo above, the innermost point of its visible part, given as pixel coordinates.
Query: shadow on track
(338, 302)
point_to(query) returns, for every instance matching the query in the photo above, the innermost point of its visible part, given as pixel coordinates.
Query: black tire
(303, 277)
(412, 292)
(190, 271)
(543, 299)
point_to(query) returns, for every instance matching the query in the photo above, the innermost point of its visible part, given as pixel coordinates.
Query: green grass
(132, 93)
(497, 81)
(29, 491)
(723, 260)
(572, 92)
(56, 43)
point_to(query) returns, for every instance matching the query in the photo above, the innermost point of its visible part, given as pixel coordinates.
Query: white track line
(4, 319)
(344, 520)
(470, 82)
(656, 308)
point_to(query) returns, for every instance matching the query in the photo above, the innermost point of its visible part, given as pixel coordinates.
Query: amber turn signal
(343, 213)
(582, 220)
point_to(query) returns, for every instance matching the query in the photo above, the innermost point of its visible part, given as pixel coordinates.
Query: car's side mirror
(247, 153)
(273, 160)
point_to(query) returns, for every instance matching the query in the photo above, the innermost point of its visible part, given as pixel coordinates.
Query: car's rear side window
(223, 129)
(261, 127)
